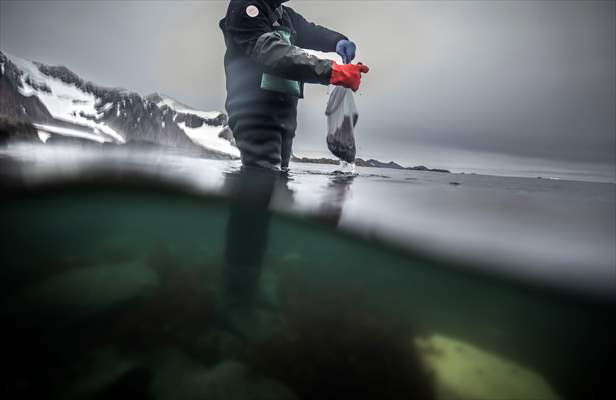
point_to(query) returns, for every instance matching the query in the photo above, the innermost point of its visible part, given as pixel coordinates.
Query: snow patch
(43, 136)
(106, 107)
(207, 136)
(184, 109)
(68, 132)
(203, 114)
(65, 102)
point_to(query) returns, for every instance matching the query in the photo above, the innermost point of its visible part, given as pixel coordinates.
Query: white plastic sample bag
(342, 117)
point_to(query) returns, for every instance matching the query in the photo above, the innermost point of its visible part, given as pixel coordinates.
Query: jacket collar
(276, 3)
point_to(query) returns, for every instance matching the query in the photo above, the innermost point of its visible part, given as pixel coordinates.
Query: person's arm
(312, 36)
(251, 31)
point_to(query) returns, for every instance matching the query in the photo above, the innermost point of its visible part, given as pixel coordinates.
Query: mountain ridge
(59, 102)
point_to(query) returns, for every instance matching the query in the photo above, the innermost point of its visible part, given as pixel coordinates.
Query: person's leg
(247, 232)
(288, 134)
(259, 142)
(245, 248)
(286, 151)
(259, 138)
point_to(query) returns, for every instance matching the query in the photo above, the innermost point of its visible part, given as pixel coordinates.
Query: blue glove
(346, 50)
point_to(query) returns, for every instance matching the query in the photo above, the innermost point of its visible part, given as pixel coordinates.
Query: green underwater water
(107, 293)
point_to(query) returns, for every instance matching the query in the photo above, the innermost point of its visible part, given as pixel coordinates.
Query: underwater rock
(106, 369)
(335, 344)
(267, 294)
(249, 324)
(95, 287)
(465, 372)
(177, 314)
(180, 378)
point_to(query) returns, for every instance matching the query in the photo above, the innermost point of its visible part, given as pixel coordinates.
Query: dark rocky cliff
(138, 119)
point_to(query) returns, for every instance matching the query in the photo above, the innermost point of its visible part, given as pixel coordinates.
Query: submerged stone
(180, 378)
(106, 369)
(465, 372)
(95, 287)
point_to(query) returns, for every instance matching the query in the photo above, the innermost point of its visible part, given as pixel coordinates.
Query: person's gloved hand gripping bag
(342, 115)
(348, 75)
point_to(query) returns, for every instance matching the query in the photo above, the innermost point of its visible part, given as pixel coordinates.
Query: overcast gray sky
(452, 83)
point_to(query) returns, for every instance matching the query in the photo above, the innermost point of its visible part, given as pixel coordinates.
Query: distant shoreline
(370, 163)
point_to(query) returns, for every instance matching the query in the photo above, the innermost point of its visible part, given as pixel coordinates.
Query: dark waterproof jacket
(254, 47)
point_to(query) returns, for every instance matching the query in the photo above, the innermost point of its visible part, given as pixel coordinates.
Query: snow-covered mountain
(63, 106)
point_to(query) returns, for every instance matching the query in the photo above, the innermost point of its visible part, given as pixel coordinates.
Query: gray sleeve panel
(289, 62)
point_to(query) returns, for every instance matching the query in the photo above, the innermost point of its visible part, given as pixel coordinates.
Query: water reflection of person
(336, 194)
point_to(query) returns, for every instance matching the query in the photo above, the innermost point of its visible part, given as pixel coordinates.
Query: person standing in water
(266, 68)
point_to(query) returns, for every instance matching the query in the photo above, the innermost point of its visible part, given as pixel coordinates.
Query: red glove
(347, 75)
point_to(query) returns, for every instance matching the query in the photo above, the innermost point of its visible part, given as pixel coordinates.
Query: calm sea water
(557, 231)
(486, 287)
